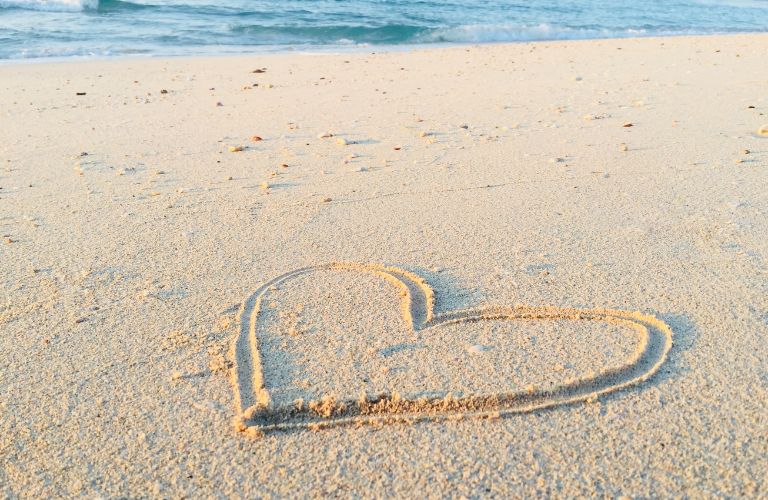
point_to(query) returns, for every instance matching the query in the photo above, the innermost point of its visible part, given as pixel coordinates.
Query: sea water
(88, 28)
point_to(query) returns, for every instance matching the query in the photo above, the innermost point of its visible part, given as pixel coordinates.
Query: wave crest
(51, 5)
(485, 33)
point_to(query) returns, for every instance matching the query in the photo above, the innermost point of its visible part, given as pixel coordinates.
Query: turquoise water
(69, 28)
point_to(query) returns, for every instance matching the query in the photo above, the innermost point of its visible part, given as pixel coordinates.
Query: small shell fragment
(478, 349)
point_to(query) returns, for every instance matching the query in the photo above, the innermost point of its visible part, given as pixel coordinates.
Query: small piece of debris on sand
(478, 349)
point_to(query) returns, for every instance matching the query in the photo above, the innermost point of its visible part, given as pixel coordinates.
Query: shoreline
(354, 49)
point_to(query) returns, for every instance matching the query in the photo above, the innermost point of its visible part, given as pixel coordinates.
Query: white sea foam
(483, 33)
(51, 5)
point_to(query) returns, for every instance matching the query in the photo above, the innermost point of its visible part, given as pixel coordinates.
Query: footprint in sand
(389, 357)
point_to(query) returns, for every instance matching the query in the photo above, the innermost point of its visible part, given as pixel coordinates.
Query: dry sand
(623, 175)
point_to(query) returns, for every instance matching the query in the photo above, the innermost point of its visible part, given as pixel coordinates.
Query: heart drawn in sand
(257, 413)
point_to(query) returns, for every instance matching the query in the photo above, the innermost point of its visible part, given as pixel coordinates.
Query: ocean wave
(72, 5)
(322, 35)
(51, 5)
(490, 33)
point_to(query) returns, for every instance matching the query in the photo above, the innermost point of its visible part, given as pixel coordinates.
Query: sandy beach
(531, 269)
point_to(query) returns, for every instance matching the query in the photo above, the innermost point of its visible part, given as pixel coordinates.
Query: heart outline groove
(256, 414)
